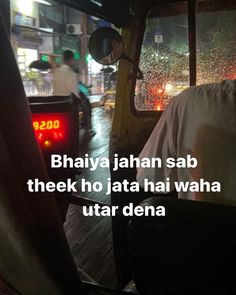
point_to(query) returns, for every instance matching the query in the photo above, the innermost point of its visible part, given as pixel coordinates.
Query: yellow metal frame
(130, 129)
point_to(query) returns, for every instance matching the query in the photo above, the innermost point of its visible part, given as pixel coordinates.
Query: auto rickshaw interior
(175, 44)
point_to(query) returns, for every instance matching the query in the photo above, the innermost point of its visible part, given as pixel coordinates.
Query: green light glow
(44, 57)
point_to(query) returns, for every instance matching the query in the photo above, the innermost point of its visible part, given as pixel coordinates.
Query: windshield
(164, 57)
(216, 41)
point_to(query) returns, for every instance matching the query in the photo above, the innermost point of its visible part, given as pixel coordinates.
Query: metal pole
(85, 46)
(192, 41)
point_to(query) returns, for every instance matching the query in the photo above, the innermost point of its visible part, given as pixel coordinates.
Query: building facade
(41, 29)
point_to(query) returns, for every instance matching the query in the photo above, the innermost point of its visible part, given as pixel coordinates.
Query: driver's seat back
(190, 251)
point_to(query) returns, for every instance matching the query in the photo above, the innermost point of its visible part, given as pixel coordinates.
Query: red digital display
(47, 125)
(50, 129)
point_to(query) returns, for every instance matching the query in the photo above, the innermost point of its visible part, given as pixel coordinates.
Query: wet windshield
(164, 56)
(216, 41)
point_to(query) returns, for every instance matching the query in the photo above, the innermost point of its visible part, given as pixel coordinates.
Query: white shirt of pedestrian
(65, 81)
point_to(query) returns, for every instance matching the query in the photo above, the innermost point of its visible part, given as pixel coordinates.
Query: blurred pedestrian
(64, 78)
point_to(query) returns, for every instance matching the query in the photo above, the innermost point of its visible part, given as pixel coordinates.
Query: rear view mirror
(106, 46)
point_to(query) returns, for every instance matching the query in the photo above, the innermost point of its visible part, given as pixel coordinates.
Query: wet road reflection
(90, 238)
